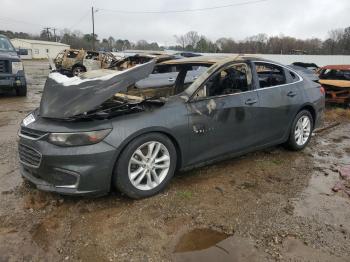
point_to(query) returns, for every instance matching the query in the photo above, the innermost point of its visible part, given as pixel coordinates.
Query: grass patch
(277, 161)
(184, 194)
(337, 114)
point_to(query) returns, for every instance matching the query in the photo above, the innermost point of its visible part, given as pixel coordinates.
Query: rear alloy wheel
(145, 166)
(301, 131)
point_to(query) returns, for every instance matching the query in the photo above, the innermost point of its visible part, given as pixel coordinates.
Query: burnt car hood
(65, 97)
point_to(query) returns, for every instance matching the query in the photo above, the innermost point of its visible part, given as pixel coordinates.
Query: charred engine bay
(118, 106)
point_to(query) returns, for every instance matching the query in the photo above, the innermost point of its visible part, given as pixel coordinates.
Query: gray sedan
(99, 131)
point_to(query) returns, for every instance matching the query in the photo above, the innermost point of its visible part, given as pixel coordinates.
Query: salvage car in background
(336, 81)
(73, 62)
(99, 130)
(12, 75)
(163, 76)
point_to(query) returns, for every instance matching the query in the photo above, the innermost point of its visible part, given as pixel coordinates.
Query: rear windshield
(5, 45)
(332, 74)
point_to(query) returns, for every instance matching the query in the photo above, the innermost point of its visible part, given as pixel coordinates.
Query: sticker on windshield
(28, 120)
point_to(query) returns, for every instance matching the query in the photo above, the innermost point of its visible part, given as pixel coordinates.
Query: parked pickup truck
(11, 69)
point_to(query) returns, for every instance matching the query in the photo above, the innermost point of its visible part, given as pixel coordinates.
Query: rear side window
(270, 75)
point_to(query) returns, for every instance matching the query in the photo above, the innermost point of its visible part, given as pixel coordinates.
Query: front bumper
(10, 81)
(84, 170)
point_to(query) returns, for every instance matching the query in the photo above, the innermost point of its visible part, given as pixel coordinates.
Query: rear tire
(21, 90)
(301, 131)
(145, 166)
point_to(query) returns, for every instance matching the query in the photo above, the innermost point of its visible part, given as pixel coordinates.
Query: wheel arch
(309, 107)
(139, 133)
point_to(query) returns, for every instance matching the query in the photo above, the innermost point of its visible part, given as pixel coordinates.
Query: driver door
(222, 114)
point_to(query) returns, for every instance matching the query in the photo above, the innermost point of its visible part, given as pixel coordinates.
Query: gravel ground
(272, 205)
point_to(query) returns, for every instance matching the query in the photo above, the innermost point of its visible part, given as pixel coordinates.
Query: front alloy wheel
(149, 165)
(145, 166)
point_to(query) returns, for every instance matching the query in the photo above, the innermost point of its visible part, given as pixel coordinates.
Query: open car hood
(65, 97)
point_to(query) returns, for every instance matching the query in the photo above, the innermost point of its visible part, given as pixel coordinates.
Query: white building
(37, 49)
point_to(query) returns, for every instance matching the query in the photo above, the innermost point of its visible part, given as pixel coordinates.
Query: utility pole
(93, 27)
(47, 32)
(54, 33)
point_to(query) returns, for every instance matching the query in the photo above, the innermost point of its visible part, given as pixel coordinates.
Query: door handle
(250, 102)
(171, 79)
(291, 94)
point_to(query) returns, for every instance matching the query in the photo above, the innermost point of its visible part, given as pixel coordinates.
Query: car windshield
(5, 45)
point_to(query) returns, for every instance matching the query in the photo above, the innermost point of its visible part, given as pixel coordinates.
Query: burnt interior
(135, 99)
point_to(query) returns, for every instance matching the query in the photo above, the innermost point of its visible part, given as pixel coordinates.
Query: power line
(80, 20)
(186, 10)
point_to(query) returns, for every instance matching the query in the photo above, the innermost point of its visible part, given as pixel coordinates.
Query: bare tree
(192, 38)
(181, 40)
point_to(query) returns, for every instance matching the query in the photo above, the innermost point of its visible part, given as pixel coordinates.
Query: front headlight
(78, 139)
(17, 66)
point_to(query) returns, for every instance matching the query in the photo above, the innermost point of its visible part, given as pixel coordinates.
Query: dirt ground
(272, 205)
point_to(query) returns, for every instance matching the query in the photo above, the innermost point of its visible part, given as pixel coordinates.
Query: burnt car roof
(211, 59)
(200, 60)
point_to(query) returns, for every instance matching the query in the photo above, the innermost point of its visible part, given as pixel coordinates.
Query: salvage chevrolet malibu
(99, 131)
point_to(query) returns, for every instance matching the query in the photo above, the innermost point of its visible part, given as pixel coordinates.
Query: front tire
(301, 131)
(78, 70)
(21, 90)
(145, 166)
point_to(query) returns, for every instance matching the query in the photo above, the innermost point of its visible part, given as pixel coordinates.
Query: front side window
(233, 79)
(270, 75)
(72, 54)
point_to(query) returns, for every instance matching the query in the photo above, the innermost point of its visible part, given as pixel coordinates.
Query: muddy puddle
(318, 200)
(199, 239)
(208, 245)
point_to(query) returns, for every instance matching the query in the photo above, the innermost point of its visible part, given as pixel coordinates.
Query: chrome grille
(4, 66)
(29, 156)
(31, 133)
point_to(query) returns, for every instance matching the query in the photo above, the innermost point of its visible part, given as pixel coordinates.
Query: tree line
(337, 43)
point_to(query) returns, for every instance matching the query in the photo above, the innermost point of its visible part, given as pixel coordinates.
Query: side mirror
(22, 52)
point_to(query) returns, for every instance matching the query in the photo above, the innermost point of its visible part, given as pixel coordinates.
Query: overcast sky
(298, 18)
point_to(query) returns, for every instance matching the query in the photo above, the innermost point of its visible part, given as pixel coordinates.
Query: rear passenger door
(280, 97)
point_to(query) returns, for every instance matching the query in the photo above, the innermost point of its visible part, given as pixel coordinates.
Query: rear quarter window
(293, 77)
